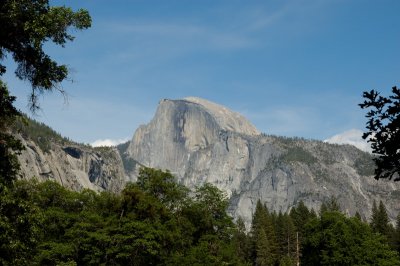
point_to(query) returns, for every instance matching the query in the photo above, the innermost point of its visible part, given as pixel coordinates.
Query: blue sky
(293, 68)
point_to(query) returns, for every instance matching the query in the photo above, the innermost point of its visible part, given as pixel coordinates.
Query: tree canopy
(25, 26)
(154, 221)
(383, 133)
(334, 239)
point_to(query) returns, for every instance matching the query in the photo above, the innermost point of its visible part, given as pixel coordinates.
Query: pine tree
(279, 225)
(380, 219)
(262, 248)
(323, 209)
(241, 241)
(334, 239)
(265, 248)
(286, 236)
(300, 216)
(384, 219)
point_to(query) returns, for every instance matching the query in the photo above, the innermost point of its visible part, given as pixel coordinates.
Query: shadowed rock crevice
(73, 151)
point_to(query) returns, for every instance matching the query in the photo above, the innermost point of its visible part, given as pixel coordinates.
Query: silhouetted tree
(25, 26)
(9, 145)
(383, 133)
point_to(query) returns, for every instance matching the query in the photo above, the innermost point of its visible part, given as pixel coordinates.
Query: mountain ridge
(187, 139)
(194, 145)
(49, 156)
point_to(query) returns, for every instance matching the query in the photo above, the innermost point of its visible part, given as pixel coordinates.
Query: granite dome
(227, 119)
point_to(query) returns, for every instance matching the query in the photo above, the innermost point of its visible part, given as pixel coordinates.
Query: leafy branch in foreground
(9, 145)
(25, 26)
(383, 133)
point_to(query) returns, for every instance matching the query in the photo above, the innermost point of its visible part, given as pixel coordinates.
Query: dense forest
(156, 221)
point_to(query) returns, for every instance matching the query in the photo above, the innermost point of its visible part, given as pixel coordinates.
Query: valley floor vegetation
(156, 221)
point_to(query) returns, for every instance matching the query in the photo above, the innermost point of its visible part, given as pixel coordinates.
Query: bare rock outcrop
(200, 141)
(73, 165)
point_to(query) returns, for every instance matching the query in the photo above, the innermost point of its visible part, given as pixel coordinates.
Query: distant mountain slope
(48, 155)
(199, 142)
(190, 137)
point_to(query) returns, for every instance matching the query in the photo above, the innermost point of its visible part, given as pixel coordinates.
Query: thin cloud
(155, 28)
(108, 142)
(293, 12)
(351, 137)
(186, 37)
(264, 20)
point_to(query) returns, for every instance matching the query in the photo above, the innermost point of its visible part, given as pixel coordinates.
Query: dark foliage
(334, 239)
(25, 26)
(152, 222)
(159, 222)
(383, 133)
(9, 145)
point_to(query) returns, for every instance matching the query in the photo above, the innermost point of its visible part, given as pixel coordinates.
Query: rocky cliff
(48, 156)
(200, 141)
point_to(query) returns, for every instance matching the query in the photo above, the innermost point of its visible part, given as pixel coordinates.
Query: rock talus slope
(200, 141)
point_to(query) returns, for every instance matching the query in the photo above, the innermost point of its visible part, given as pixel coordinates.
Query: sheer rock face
(200, 141)
(182, 129)
(74, 166)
